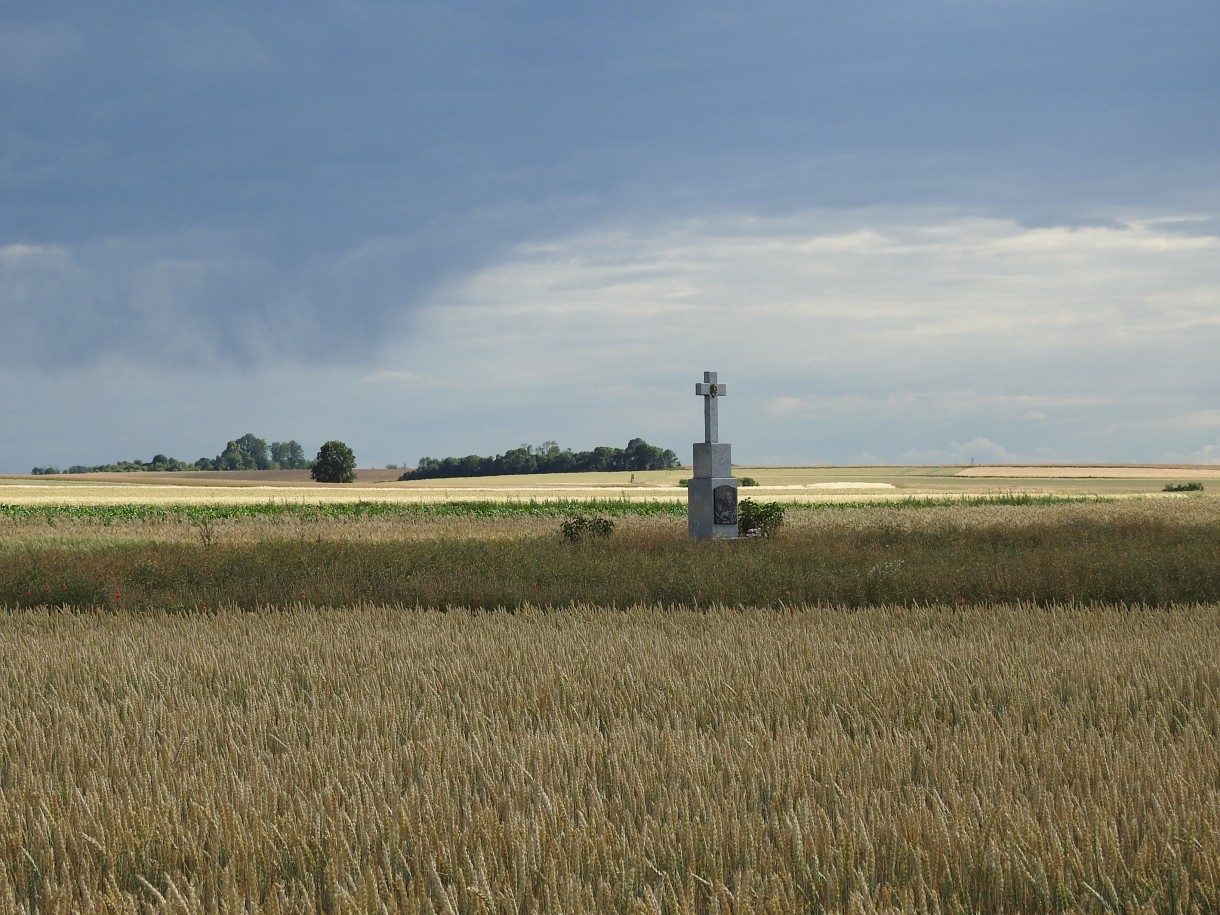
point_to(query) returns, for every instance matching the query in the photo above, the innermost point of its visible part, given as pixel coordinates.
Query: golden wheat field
(362, 759)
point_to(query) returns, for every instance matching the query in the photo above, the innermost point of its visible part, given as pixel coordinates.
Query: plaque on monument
(724, 504)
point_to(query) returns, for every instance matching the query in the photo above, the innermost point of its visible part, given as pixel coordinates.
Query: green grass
(993, 553)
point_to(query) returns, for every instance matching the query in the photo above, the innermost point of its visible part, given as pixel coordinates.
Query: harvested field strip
(997, 759)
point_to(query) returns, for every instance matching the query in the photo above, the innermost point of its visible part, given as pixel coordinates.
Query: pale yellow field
(1201, 472)
(776, 483)
(785, 484)
(805, 484)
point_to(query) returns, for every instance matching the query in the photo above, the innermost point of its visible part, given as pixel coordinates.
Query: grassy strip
(1051, 558)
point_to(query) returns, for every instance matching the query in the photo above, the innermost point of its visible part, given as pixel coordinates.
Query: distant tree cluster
(252, 453)
(245, 453)
(547, 458)
(159, 462)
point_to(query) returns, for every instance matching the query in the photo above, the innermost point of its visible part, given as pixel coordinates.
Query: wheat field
(217, 717)
(653, 759)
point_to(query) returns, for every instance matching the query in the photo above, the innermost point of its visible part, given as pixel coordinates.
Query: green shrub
(1183, 487)
(759, 519)
(580, 527)
(747, 481)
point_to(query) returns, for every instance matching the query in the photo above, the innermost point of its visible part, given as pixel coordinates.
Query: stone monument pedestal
(712, 508)
(711, 494)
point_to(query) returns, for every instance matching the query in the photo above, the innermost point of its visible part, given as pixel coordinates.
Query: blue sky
(903, 232)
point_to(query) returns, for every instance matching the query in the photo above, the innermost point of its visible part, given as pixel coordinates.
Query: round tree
(335, 463)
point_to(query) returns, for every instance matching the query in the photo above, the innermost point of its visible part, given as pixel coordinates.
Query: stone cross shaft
(709, 390)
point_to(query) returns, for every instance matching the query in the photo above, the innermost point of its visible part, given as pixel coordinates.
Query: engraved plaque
(724, 505)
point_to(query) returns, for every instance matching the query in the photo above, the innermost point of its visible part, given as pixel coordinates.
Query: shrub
(759, 519)
(684, 482)
(1183, 487)
(579, 527)
(747, 481)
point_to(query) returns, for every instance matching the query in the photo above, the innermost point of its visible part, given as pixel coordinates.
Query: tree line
(246, 453)
(547, 458)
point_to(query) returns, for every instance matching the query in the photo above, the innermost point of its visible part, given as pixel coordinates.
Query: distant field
(819, 484)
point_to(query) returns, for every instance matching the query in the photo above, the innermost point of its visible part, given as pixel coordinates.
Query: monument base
(712, 507)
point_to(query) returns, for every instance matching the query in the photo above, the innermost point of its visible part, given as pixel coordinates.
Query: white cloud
(824, 293)
(1208, 454)
(924, 271)
(977, 450)
(390, 377)
(784, 404)
(911, 324)
(1180, 420)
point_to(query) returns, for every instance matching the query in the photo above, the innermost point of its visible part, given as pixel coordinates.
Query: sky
(901, 231)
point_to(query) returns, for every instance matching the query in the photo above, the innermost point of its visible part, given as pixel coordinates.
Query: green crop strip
(536, 508)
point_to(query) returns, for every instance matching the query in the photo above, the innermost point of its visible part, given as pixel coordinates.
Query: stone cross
(709, 390)
(711, 493)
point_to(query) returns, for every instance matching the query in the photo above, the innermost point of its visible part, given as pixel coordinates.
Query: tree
(516, 460)
(548, 458)
(335, 463)
(253, 451)
(289, 455)
(640, 455)
(231, 458)
(246, 453)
